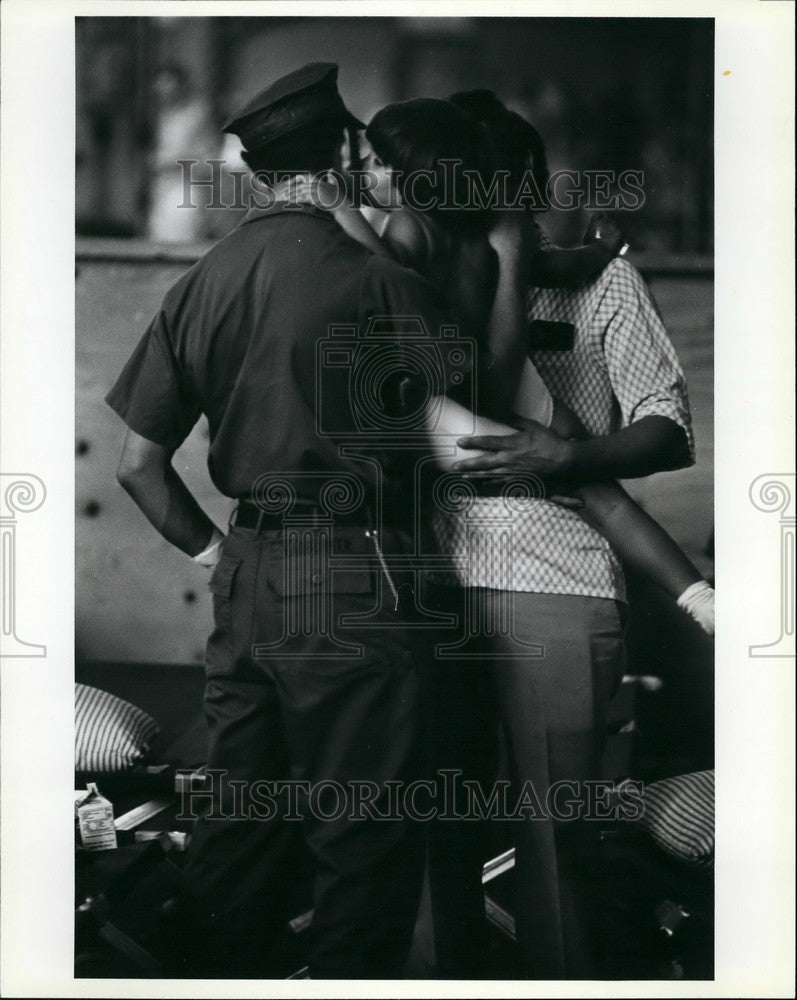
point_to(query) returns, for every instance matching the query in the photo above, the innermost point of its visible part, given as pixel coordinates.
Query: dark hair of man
(517, 144)
(414, 138)
(309, 149)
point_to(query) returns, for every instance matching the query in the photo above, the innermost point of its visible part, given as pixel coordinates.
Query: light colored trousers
(553, 710)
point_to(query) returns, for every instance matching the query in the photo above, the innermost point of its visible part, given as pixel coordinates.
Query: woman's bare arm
(325, 194)
(569, 268)
(557, 268)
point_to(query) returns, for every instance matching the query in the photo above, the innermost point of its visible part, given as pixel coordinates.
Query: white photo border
(754, 436)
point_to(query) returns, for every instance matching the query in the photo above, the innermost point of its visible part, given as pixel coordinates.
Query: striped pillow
(110, 734)
(679, 816)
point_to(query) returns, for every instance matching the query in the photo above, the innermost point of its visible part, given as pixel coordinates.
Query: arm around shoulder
(406, 239)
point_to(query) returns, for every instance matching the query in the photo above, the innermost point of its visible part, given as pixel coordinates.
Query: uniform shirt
(242, 336)
(621, 368)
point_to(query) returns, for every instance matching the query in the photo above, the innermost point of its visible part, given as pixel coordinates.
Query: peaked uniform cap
(305, 97)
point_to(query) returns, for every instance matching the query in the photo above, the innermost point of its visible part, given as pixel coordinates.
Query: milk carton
(95, 819)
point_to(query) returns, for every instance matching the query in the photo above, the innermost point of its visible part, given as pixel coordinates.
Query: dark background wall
(605, 93)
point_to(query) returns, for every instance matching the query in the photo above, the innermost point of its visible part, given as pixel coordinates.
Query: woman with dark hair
(520, 150)
(447, 238)
(433, 149)
(422, 159)
(517, 145)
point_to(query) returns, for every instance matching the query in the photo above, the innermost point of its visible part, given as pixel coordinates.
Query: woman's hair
(431, 145)
(517, 145)
(309, 149)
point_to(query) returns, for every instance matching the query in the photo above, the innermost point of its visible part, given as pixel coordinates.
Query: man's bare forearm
(169, 506)
(651, 444)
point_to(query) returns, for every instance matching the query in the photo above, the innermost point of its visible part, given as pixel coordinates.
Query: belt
(249, 515)
(487, 487)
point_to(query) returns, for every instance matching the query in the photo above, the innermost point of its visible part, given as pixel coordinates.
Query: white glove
(211, 555)
(698, 601)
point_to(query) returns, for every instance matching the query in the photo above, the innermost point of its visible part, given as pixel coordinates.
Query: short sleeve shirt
(248, 337)
(622, 367)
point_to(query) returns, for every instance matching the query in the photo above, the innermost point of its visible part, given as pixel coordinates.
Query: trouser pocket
(232, 586)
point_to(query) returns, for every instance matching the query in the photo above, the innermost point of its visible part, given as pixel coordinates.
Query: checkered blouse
(622, 367)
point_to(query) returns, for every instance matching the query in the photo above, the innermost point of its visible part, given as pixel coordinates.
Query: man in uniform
(289, 695)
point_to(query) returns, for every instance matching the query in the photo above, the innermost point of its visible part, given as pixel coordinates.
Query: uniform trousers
(301, 694)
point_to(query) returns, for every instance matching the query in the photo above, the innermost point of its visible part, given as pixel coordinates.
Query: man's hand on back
(650, 444)
(534, 448)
